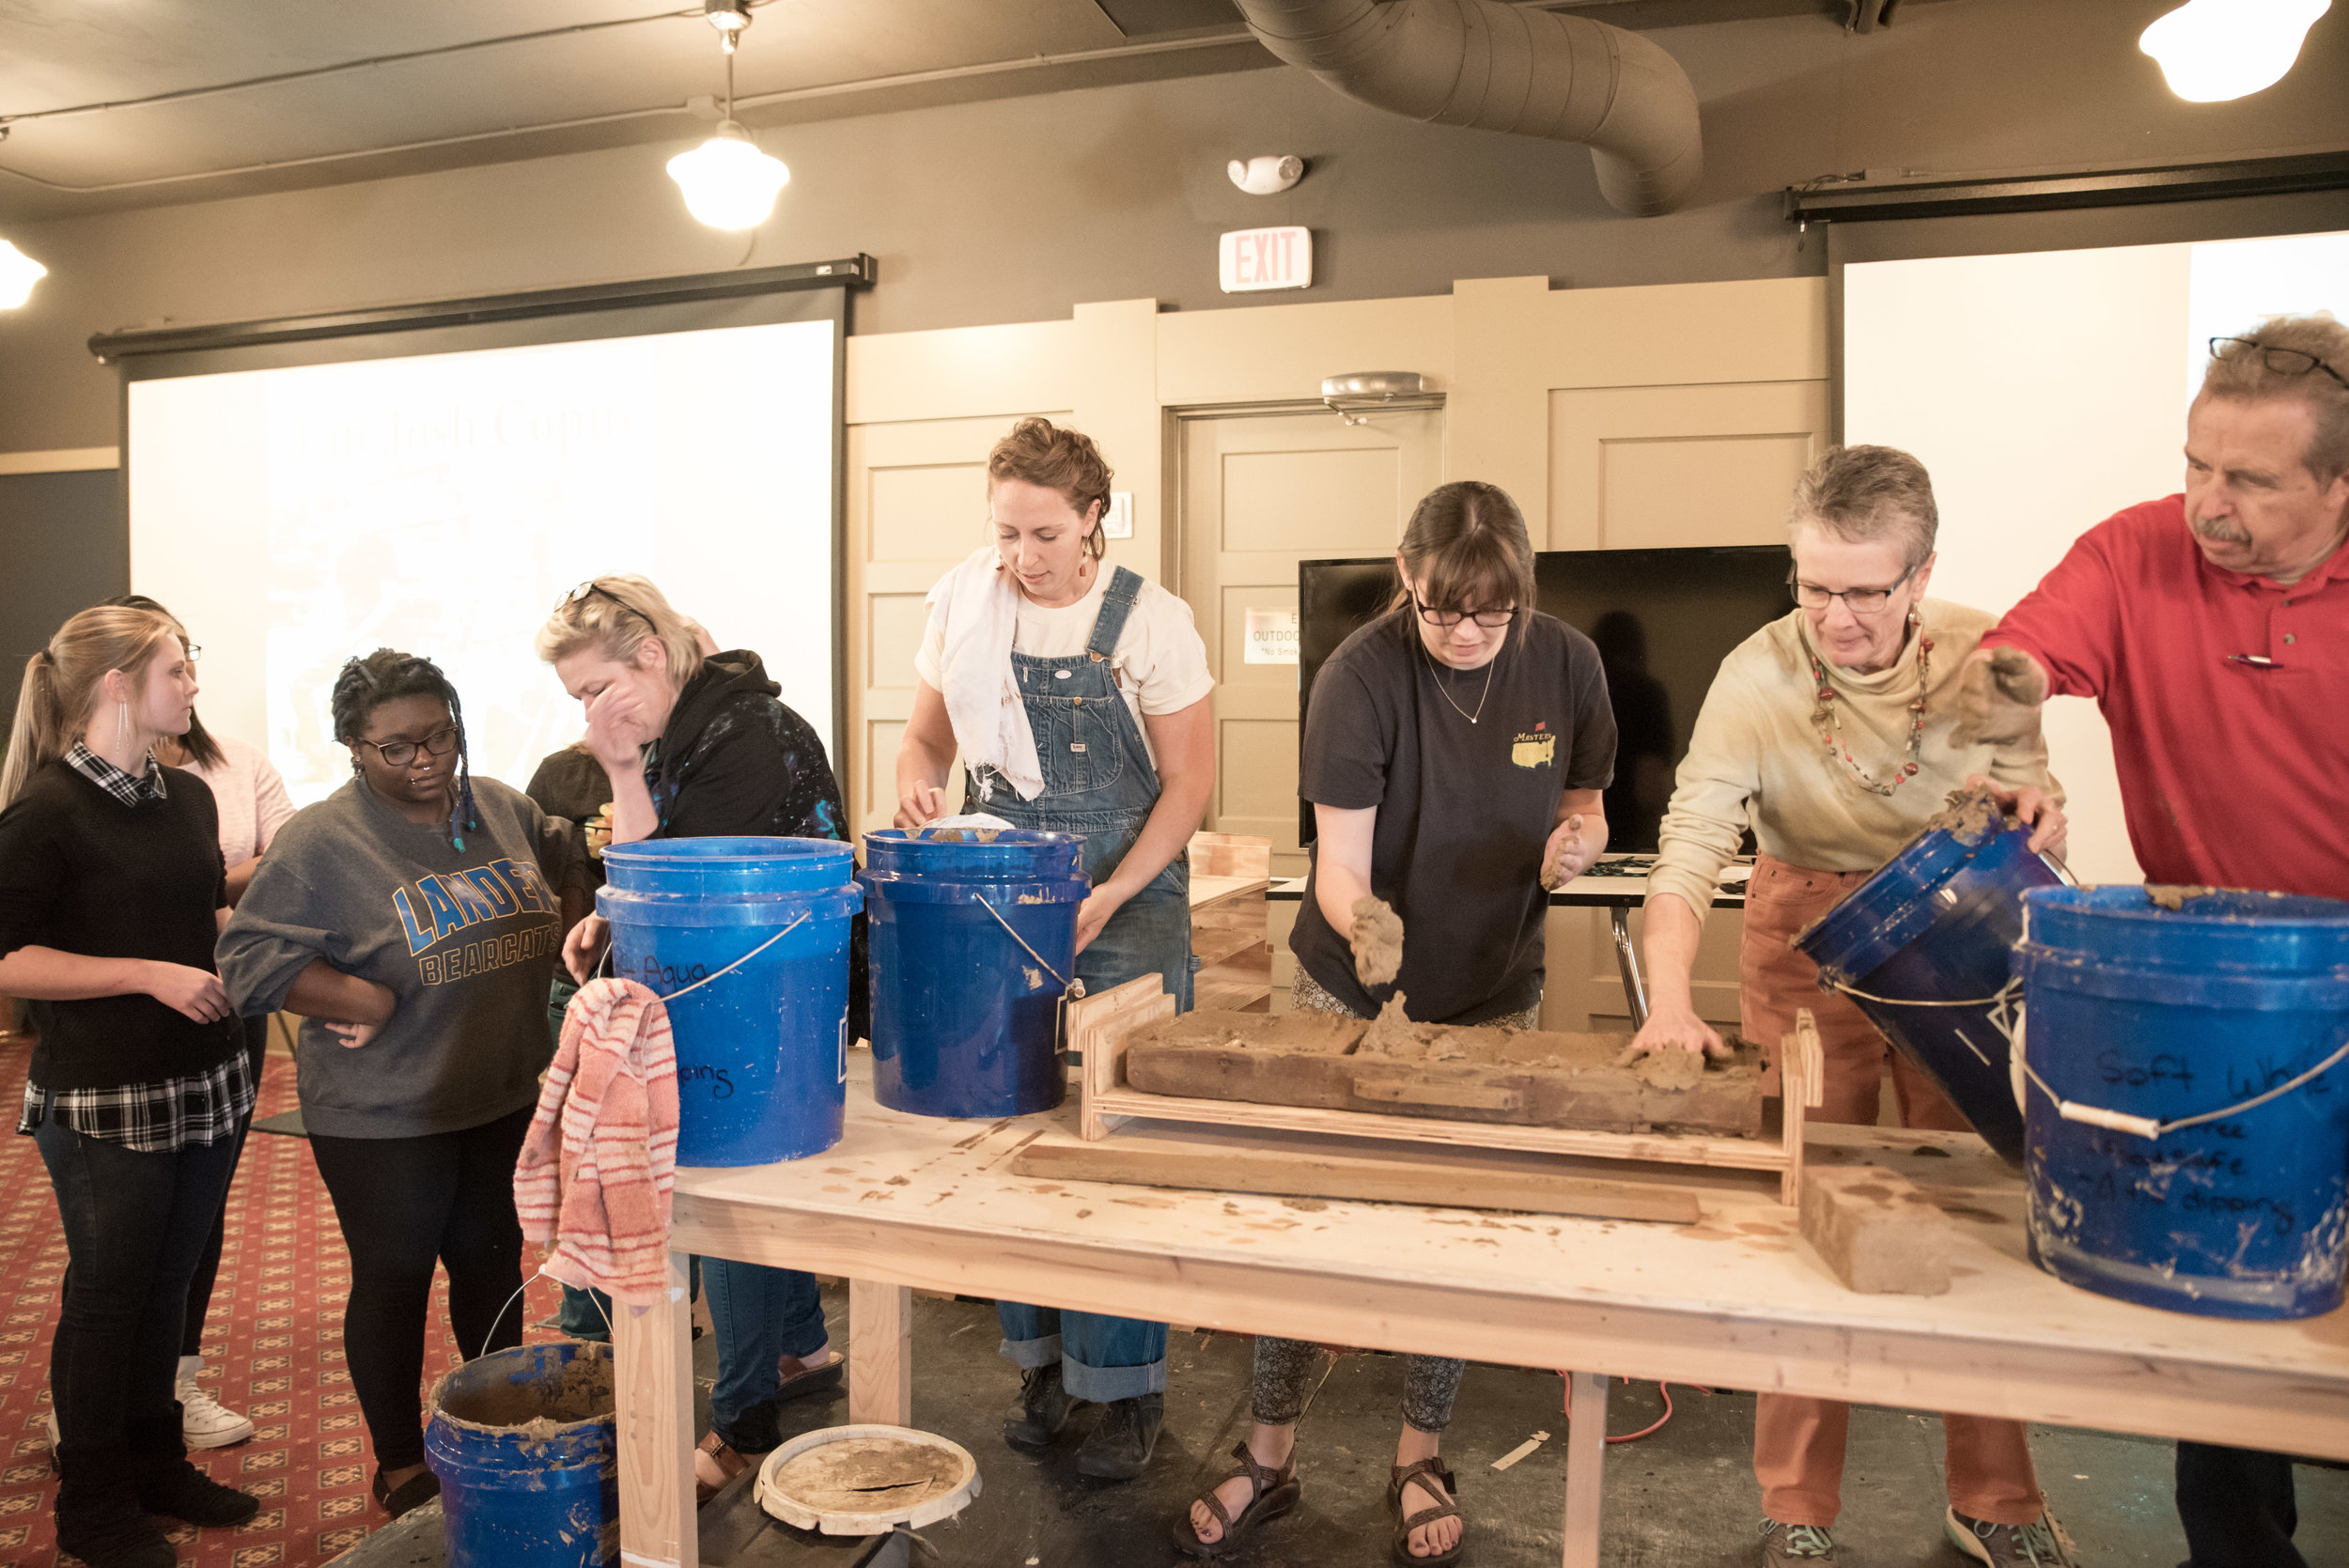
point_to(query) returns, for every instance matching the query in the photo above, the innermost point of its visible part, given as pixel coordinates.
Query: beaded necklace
(1827, 715)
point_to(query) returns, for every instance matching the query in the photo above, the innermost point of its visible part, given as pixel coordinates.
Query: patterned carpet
(273, 1347)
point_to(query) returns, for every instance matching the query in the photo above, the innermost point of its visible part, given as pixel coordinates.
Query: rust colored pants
(1799, 1442)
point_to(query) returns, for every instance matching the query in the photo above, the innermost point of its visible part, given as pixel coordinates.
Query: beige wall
(1618, 418)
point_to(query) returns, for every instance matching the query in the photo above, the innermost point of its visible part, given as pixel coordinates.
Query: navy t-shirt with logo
(1463, 810)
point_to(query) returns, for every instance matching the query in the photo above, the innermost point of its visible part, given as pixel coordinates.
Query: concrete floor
(1683, 1498)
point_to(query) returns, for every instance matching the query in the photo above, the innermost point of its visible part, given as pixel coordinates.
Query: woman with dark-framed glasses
(413, 918)
(1828, 733)
(1455, 752)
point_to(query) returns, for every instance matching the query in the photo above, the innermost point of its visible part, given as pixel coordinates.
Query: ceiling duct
(1501, 67)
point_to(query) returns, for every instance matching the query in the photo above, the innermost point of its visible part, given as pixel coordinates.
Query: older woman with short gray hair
(1828, 733)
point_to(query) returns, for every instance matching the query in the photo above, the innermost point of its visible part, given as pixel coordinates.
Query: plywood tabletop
(1213, 889)
(1736, 1299)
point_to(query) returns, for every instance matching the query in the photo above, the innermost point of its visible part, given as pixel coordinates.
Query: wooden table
(1736, 1300)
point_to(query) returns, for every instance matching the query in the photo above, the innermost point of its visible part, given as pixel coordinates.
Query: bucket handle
(2148, 1127)
(707, 978)
(1070, 990)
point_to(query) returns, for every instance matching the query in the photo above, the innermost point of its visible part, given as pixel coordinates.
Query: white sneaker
(207, 1424)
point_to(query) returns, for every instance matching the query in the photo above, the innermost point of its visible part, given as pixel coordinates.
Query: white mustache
(2221, 530)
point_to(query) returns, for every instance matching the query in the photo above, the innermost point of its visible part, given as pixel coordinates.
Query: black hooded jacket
(734, 760)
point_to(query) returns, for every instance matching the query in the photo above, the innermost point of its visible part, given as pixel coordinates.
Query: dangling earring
(122, 726)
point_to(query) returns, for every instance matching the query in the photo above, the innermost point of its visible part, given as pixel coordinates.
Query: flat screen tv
(1663, 620)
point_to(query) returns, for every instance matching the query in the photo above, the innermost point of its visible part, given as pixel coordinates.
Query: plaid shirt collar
(128, 789)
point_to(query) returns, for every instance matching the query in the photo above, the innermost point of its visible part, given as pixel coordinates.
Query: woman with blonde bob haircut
(703, 747)
(112, 893)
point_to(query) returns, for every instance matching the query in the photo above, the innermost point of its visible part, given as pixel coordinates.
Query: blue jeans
(1104, 1359)
(761, 1314)
(135, 1225)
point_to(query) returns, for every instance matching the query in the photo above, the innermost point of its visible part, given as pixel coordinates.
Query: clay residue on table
(1971, 815)
(868, 1475)
(1377, 942)
(2172, 897)
(581, 1390)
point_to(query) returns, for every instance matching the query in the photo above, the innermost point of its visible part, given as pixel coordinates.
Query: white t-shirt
(1159, 664)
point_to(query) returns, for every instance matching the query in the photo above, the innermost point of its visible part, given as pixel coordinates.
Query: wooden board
(1300, 1165)
(1531, 1078)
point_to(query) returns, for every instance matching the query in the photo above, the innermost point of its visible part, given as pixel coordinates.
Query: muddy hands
(1999, 696)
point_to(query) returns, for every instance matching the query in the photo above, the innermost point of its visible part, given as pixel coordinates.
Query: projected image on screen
(440, 503)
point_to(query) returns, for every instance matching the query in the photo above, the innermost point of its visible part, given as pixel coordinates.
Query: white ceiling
(806, 58)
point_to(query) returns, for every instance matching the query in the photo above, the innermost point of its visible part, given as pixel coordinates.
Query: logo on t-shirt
(1538, 749)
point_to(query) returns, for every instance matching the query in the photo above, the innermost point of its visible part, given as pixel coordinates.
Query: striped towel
(601, 1157)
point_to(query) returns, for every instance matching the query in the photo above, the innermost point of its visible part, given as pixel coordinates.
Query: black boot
(100, 1519)
(166, 1483)
(1120, 1446)
(1041, 1410)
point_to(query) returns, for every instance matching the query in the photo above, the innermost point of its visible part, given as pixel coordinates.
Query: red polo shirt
(2232, 775)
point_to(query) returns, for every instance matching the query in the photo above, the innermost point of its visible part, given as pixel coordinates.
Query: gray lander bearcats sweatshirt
(467, 940)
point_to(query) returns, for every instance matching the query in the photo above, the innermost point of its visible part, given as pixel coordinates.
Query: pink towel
(600, 1159)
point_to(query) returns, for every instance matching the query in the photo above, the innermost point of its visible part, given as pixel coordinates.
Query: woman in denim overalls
(1094, 774)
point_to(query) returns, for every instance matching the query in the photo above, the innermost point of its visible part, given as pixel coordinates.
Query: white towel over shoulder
(977, 606)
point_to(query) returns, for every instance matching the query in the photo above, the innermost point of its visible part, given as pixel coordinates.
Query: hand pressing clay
(1555, 875)
(1377, 942)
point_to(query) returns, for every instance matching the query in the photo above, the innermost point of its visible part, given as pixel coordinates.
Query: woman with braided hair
(412, 919)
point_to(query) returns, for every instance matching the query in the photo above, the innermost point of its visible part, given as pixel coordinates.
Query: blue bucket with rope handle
(746, 940)
(974, 944)
(2185, 1061)
(1925, 948)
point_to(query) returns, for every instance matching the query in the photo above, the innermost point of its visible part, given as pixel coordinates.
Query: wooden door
(1260, 493)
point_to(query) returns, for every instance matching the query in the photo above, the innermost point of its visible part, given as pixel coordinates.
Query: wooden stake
(880, 1354)
(652, 1350)
(1586, 1460)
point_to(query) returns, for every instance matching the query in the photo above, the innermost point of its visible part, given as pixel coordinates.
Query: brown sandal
(1272, 1493)
(723, 1459)
(1403, 1476)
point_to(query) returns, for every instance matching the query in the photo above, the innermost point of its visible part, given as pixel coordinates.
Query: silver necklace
(1444, 691)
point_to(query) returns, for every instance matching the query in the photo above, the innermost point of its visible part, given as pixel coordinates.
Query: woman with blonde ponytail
(111, 895)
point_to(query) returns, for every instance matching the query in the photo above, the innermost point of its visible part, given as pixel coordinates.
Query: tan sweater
(1756, 758)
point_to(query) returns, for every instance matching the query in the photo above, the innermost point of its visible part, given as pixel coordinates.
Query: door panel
(1640, 468)
(1259, 493)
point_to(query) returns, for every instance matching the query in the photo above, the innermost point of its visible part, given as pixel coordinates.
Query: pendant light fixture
(2212, 51)
(728, 183)
(18, 273)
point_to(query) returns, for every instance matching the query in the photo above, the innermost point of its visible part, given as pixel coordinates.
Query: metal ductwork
(1496, 66)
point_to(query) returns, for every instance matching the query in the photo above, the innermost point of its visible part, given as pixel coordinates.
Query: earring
(122, 725)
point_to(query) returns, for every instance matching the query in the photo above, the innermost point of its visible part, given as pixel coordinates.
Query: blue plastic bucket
(523, 1443)
(762, 1062)
(972, 946)
(2153, 1012)
(1930, 939)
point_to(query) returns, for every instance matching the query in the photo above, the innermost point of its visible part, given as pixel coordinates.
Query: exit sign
(1254, 258)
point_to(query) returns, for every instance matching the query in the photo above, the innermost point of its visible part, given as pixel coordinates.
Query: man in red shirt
(2213, 630)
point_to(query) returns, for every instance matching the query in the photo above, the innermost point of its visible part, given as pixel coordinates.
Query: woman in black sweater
(696, 747)
(112, 892)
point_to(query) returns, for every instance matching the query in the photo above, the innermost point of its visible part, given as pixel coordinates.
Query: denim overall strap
(1118, 602)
